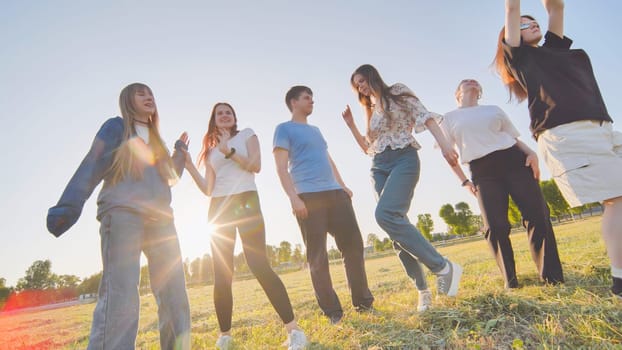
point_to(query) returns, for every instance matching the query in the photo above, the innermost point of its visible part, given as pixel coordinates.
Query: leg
(611, 228)
(253, 236)
(314, 229)
(115, 319)
(526, 192)
(493, 198)
(344, 227)
(395, 194)
(223, 244)
(166, 274)
(411, 265)
(413, 268)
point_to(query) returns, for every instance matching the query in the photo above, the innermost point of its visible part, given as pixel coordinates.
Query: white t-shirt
(478, 131)
(142, 131)
(230, 177)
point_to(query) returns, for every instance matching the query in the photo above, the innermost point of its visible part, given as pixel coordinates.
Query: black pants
(332, 212)
(497, 176)
(242, 212)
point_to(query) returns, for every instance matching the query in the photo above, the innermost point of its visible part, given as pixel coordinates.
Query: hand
(184, 138)
(471, 187)
(451, 156)
(347, 116)
(348, 191)
(532, 161)
(299, 208)
(223, 139)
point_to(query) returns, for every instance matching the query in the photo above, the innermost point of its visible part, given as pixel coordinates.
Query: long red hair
(502, 66)
(210, 140)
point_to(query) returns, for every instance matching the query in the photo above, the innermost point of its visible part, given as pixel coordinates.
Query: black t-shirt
(560, 83)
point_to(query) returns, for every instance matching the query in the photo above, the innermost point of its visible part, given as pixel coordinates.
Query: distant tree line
(40, 286)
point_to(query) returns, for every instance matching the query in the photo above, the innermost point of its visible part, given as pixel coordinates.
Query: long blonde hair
(125, 162)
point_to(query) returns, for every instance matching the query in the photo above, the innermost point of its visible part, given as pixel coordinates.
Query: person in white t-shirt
(502, 166)
(231, 158)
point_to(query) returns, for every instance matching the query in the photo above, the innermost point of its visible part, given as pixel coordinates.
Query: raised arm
(555, 10)
(512, 22)
(281, 157)
(358, 137)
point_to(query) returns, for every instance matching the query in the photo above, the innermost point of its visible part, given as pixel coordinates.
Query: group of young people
(568, 119)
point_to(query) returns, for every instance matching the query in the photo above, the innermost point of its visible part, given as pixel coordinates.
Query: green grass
(579, 314)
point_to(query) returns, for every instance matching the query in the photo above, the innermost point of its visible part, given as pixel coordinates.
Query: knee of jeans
(383, 217)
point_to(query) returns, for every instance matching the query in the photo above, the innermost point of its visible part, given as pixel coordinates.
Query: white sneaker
(296, 340)
(224, 342)
(425, 300)
(448, 283)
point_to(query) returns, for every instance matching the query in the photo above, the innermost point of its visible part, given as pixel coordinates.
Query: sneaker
(224, 342)
(616, 289)
(447, 284)
(296, 340)
(425, 300)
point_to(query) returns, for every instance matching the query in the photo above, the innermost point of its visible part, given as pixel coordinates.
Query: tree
(90, 285)
(207, 268)
(195, 271)
(334, 253)
(554, 198)
(272, 254)
(459, 219)
(285, 251)
(514, 215)
(4, 291)
(425, 224)
(297, 256)
(38, 276)
(239, 263)
(145, 280)
(67, 281)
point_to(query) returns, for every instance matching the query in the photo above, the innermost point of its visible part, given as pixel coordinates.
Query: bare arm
(450, 154)
(205, 184)
(512, 22)
(338, 176)
(349, 119)
(457, 169)
(281, 157)
(555, 10)
(532, 158)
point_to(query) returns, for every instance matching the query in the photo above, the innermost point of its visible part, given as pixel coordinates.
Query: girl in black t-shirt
(569, 119)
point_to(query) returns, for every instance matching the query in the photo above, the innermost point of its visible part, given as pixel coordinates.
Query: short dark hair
(295, 92)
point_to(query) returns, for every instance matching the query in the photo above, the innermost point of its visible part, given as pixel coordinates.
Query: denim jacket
(150, 195)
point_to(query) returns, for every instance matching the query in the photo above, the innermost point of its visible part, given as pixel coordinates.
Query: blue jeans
(395, 174)
(124, 235)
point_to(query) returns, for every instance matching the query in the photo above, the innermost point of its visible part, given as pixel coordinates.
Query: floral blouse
(393, 128)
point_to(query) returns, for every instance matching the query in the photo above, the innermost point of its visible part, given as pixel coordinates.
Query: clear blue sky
(63, 64)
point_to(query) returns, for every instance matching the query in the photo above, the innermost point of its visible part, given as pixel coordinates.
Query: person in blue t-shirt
(321, 203)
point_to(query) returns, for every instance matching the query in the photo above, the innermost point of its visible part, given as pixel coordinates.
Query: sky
(64, 63)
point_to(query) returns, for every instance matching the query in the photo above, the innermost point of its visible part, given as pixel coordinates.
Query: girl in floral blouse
(392, 113)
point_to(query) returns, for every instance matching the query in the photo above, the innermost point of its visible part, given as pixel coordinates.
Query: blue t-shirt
(309, 164)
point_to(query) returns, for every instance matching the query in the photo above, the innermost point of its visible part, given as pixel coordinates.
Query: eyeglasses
(527, 25)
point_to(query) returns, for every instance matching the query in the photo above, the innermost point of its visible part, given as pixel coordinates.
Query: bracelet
(230, 154)
(465, 182)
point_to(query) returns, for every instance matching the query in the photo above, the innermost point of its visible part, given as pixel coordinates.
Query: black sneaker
(616, 289)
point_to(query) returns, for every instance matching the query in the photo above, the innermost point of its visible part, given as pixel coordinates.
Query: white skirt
(585, 160)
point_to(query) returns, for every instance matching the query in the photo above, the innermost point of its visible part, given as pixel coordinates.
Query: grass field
(580, 314)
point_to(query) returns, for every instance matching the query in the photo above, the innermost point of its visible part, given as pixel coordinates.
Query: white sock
(445, 269)
(616, 272)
